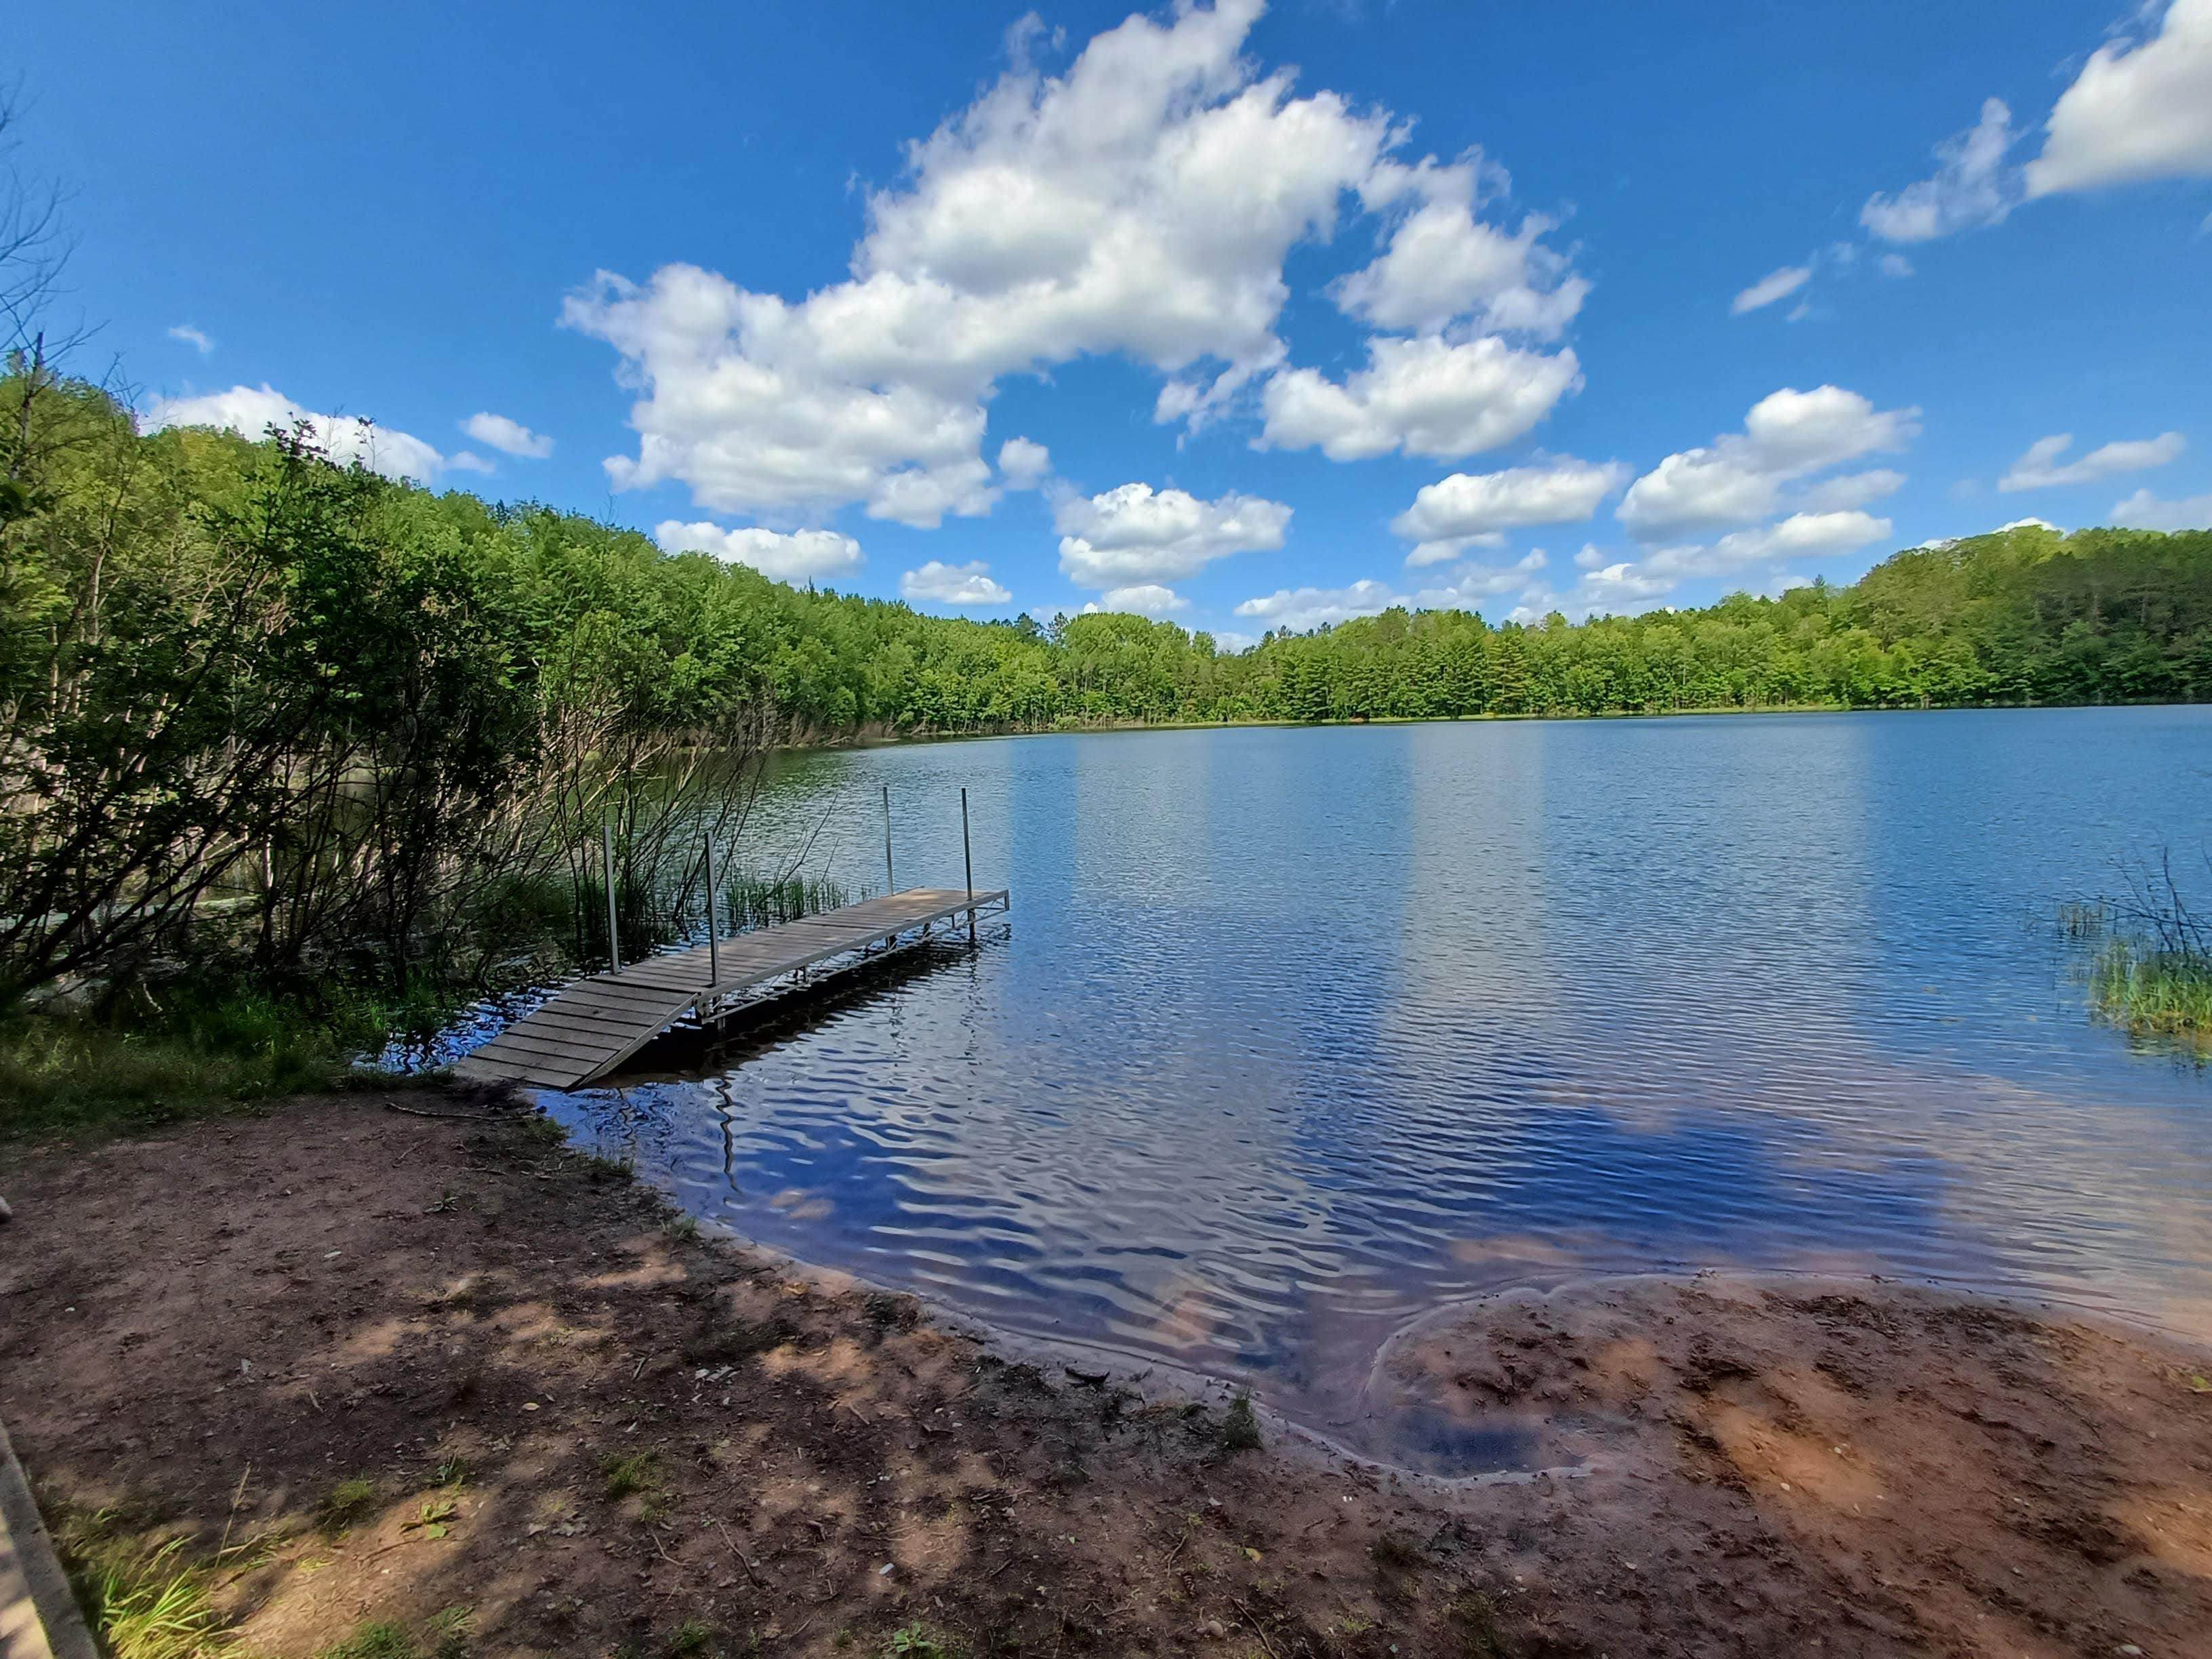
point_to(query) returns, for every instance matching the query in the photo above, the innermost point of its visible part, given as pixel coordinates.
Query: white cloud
(1023, 465)
(797, 556)
(1141, 599)
(1590, 558)
(954, 584)
(1443, 263)
(1852, 489)
(1775, 285)
(508, 437)
(1230, 640)
(2026, 524)
(1971, 187)
(2139, 109)
(192, 338)
(1135, 535)
(1467, 507)
(2040, 468)
(1142, 203)
(1801, 536)
(345, 439)
(1787, 435)
(1621, 589)
(1428, 396)
(1300, 609)
(2144, 511)
(467, 461)
(1894, 265)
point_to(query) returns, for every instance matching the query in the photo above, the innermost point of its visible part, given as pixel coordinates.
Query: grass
(638, 1472)
(382, 1639)
(144, 1600)
(2150, 958)
(347, 1501)
(2153, 992)
(1240, 1426)
(198, 1056)
(765, 902)
(918, 1641)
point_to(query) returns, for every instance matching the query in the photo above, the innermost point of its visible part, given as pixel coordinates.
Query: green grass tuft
(2152, 993)
(636, 1472)
(347, 1501)
(382, 1639)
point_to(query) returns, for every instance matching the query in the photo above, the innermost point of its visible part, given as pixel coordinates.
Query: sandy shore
(374, 1366)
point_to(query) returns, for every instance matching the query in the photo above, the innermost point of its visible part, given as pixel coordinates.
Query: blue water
(1294, 1035)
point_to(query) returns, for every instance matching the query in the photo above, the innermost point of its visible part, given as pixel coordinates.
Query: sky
(1248, 316)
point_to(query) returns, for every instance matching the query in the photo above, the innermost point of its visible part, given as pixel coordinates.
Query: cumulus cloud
(1141, 202)
(2139, 109)
(1442, 263)
(1428, 396)
(508, 437)
(1299, 610)
(1136, 535)
(1800, 536)
(2040, 468)
(1971, 186)
(1788, 435)
(802, 556)
(1466, 509)
(1894, 265)
(193, 337)
(954, 584)
(1023, 465)
(1851, 489)
(346, 439)
(1775, 285)
(1140, 599)
(2144, 511)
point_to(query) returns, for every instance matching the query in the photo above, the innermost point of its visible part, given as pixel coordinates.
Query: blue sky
(1295, 312)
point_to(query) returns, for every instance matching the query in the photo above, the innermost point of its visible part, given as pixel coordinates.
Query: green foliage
(767, 901)
(2154, 992)
(347, 1501)
(636, 1472)
(149, 1605)
(381, 1639)
(918, 1641)
(1240, 1426)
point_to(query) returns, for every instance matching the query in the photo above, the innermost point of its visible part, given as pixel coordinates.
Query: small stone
(2130, 1650)
(1215, 1629)
(529, 1405)
(886, 1570)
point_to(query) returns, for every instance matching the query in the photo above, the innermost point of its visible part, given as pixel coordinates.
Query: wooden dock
(592, 1026)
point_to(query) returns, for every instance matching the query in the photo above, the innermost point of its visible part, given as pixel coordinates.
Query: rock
(6, 1214)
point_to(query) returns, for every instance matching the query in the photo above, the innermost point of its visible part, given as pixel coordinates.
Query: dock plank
(589, 1027)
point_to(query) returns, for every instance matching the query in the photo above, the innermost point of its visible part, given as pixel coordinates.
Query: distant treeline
(374, 721)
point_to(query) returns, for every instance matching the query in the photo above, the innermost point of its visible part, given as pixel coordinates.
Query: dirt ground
(439, 1373)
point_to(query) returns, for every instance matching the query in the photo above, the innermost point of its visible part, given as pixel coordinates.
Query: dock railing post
(967, 860)
(614, 934)
(891, 883)
(713, 944)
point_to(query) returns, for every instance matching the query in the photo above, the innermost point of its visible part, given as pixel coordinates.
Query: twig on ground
(464, 1117)
(751, 1571)
(1254, 1623)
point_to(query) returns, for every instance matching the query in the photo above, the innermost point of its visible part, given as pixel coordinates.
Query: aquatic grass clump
(769, 901)
(2150, 968)
(2153, 992)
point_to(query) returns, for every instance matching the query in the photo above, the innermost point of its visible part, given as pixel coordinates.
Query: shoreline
(376, 1368)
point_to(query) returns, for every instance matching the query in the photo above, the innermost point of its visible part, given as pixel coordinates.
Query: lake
(1294, 1035)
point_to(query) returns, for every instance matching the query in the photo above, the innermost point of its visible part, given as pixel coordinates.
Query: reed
(754, 901)
(2149, 970)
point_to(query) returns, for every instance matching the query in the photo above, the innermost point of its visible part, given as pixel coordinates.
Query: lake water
(1294, 1036)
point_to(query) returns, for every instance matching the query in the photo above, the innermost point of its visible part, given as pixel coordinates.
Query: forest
(342, 731)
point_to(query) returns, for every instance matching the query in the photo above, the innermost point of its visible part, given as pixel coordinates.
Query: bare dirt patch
(443, 1375)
